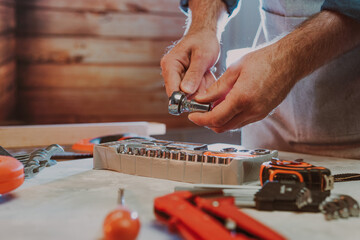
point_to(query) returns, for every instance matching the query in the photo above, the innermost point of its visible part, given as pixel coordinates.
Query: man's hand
(252, 87)
(247, 92)
(186, 66)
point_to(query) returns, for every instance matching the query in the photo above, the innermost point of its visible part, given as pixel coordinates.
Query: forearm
(316, 42)
(208, 15)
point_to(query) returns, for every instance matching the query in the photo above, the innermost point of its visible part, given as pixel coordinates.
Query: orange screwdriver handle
(11, 174)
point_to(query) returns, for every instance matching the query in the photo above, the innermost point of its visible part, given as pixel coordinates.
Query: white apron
(321, 114)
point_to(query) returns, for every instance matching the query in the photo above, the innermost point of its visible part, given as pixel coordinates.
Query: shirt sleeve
(231, 5)
(350, 8)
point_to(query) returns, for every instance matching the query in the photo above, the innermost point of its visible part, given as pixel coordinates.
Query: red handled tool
(121, 223)
(205, 214)
(11, 174)
(87, 145)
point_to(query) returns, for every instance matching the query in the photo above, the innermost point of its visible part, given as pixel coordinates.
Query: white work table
(70, 201)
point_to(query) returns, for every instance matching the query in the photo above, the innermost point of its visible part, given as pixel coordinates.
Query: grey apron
(321, 114)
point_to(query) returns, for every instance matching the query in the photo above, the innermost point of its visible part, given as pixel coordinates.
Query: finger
(172, 72)
(218, 116)
(195, 73)
(220, 88)
(207, 81)
(237, 122)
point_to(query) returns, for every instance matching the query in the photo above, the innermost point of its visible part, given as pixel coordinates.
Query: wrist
(207, 15)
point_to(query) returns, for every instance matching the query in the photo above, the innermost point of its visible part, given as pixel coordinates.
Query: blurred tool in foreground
(121, 223)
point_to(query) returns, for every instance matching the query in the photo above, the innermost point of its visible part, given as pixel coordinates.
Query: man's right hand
(186, 66)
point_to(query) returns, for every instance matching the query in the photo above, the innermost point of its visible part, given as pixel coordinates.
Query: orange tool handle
(226, 209)
(192, 222)
(11, 174)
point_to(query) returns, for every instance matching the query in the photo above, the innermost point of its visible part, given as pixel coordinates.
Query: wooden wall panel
(7, 105)
(7, 73)
(95, 60)
(7, 90)
(93, 101)
(109, 24)
(7, 18)
(7, 61)
(75, 76)
(7, 47)
(145, 6)
(89, 50)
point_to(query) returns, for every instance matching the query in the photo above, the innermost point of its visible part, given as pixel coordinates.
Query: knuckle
(259, 111)
(236, 105)
(218, 130)
(217, 122)
(231, 70)
(164, 61)
(200, 55)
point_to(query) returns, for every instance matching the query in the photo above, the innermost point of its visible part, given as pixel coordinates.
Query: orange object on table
(121, 224)
(11, 174)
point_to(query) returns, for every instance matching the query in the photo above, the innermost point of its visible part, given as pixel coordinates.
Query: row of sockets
(182, 155)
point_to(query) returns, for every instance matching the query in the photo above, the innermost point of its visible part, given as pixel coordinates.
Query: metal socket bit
(222, 160)
(191, 157)
(174, 155)
(178, 104)
(182, 156)
(212, 159)
(121, 148)
(260, 151)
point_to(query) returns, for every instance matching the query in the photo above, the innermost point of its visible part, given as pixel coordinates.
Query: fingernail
(201, 95)
(188, 87)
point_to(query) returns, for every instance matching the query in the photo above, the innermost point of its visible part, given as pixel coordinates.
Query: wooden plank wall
(95, 60)
(7, 59)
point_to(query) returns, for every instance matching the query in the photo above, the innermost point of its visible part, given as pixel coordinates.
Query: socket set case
(180, 161)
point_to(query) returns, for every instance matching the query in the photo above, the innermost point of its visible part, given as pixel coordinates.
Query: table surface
(70, 201)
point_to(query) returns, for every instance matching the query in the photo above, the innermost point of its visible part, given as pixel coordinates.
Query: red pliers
(206, 215)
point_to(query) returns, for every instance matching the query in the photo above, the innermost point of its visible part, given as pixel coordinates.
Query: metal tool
(182, 151)
(38, 159)
(339, 206)
(121, 223)
(316, 178)
(281, 196)
(208, 214)
(87, 145)
(178, 103)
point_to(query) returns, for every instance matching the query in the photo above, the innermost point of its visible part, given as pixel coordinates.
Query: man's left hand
(247, 92)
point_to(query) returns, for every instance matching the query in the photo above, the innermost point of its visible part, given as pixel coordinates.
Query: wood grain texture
(44, 106)
(66, 134)
(10, 3)
(78, 76)
(89, 50)
(165, 6)
(7, 104)
(7, 18)
(7, 47)
(170, 121)
(84, 102)
(7, 77)
(7, 90)
(109, 24)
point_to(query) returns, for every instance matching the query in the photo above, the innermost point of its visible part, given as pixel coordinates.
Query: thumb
(194, 74)
(220, 88)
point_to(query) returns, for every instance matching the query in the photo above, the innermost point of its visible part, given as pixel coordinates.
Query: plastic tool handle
(11, 174)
